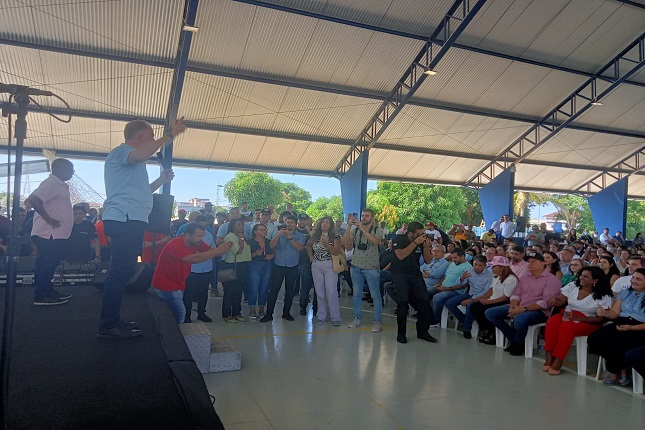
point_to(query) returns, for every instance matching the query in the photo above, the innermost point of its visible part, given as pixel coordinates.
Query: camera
(430, 236)
(362, 246)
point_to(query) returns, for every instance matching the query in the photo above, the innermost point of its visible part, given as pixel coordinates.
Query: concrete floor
(298, 375)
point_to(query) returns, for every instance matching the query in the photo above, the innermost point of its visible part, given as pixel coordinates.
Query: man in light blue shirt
(125, 216)
(451, 284)
(199, 278)
(435, 270)
(479, 279)
(287, 244)
(222, 231)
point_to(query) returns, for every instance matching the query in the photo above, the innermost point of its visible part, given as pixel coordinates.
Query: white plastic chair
(637, 382)
(581, 354)
(475, 330)
(531, 335)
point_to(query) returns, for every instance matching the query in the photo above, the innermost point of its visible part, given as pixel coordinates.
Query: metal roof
(289, 85)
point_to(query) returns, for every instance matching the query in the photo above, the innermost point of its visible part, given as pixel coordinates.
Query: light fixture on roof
(596, 103)
(430, 72)
(190, 28)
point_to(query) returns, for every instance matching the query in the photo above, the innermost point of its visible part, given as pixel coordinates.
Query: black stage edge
(64, 377)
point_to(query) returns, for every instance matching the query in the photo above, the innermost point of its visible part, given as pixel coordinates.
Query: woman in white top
(582, 298)
(500, 292)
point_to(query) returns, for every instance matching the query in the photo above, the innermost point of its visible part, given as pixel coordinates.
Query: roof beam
(178, 77)
(632, 3)
(468, 48)
(460, 14)
(317, 86)
(626, 64)
(634, 163)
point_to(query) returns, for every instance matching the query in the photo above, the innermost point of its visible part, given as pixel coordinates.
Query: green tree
(473, 213)
(635, 218)
(259, 189)
(385, 211)
(572, 209)
(297, 196)
(332, 206)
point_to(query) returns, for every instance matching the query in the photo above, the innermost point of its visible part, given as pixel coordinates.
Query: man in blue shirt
(287, 244)
(434, 271)
(125, 215)
(479, 278)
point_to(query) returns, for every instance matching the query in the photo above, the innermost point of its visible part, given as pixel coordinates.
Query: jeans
(439, 299)
(258, 280)
(47, 260)
(479, 312)
(197, 291)
(127, 240)
(410, 289)
(521, 322)
(175, 300)
(289, 275)
(306, 284)
(372, 276)
(466, 319)
(325, 281)
(232, 300)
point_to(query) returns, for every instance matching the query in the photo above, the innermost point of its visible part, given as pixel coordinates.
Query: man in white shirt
(507, 227)
(384, 232)
(633, 263)
(605, 238)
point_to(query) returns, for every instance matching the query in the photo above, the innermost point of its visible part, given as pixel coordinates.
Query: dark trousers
(289, 275)
(346, 275)
(385, 276)
(479, 310)
(47, 260)
(410, 290)
(612, 344)
(636, 359)
(196, 291)
(306, 284)
(127, 240)
(232, 300)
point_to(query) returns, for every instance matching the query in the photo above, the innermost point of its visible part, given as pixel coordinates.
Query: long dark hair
(232, 223)
(506, 272)
(601, 287)
(317, 231)
(255, 229)
(555, 266)
(613, 269)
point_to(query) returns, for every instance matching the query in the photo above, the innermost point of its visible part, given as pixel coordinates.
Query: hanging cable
(44, 110)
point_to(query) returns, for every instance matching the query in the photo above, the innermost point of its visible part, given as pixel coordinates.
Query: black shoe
(370, 300)
(287, 317)
(118, 332)
(467, 335)
(205, 318)
(187, 320)
(516, 349)
(129, 325)
(401, 338)
(266, 318)
(303, 311)
(59, 295)
(508, 348)
(49, 301)
(426, 337)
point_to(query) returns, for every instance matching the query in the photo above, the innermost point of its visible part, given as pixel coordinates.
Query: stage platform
(64, 377)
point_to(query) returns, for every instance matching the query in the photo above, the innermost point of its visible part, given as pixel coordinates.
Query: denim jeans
(127, 240)
(439, 299)
(47, 260)
(306, 284)
(197, 291)
(258, 280)
(175, 300)
(232, 300)
(289, 275)
(466, 319)
(372, 276)
(521, 322)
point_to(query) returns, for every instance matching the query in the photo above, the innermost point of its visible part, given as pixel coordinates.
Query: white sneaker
(435, 325)
(376, 326)
(355, 324)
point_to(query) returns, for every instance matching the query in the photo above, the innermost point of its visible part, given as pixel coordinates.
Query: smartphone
(355, 215)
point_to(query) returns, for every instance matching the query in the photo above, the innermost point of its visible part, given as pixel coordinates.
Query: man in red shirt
(173, 268)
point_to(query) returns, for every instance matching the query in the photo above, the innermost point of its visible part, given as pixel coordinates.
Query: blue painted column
(496, 197)
(609, 207)
(353, 186)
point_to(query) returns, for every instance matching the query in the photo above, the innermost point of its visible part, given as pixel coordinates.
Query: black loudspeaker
(159, 219)
(520, 221)
(138, 283)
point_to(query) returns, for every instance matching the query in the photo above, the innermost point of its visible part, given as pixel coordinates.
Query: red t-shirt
(100, 230)
(146, 251)
(171, 273)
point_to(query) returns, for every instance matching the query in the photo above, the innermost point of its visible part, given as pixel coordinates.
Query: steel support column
(179, 74)
(460, 15)
(626, 64)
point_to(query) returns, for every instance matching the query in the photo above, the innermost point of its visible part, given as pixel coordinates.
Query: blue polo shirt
(127, 187)
(631, 305)
(285, 254)
(479, 283)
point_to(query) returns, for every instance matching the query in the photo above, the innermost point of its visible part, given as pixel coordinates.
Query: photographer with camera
(366, 239)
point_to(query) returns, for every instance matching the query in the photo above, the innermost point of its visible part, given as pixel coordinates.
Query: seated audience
(574, 268)
(450, 285)
(552, 263)
(634, 263)
(579, 318)
(519, 266)
(435, 269)
(609, 268)
(627, 332)
(83, 244)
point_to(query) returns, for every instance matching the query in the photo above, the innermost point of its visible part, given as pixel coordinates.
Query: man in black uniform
(407, 281)
(84, 239)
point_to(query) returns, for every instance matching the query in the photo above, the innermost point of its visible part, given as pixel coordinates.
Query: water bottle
(567, 313)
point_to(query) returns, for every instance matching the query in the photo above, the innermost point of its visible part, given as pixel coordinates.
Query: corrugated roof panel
(550, 177)
(623, 108)
(636, 185)
(391, 163)
(101, 26)
(253, 105)
(20, 69)
(452, 169)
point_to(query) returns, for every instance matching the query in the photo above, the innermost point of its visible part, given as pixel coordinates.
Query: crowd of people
(575, 285)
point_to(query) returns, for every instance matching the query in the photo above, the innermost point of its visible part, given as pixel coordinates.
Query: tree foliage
(331, 206)
(259, 189)
(635, 218)
(473, 213)
(571, 208)
(296, 195)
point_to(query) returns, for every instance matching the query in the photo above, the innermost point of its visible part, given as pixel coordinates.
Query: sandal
(624, 380)
(608, 380)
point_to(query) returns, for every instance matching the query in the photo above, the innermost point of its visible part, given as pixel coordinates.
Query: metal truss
(630, 165)
(459, 16)
(609, 77)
